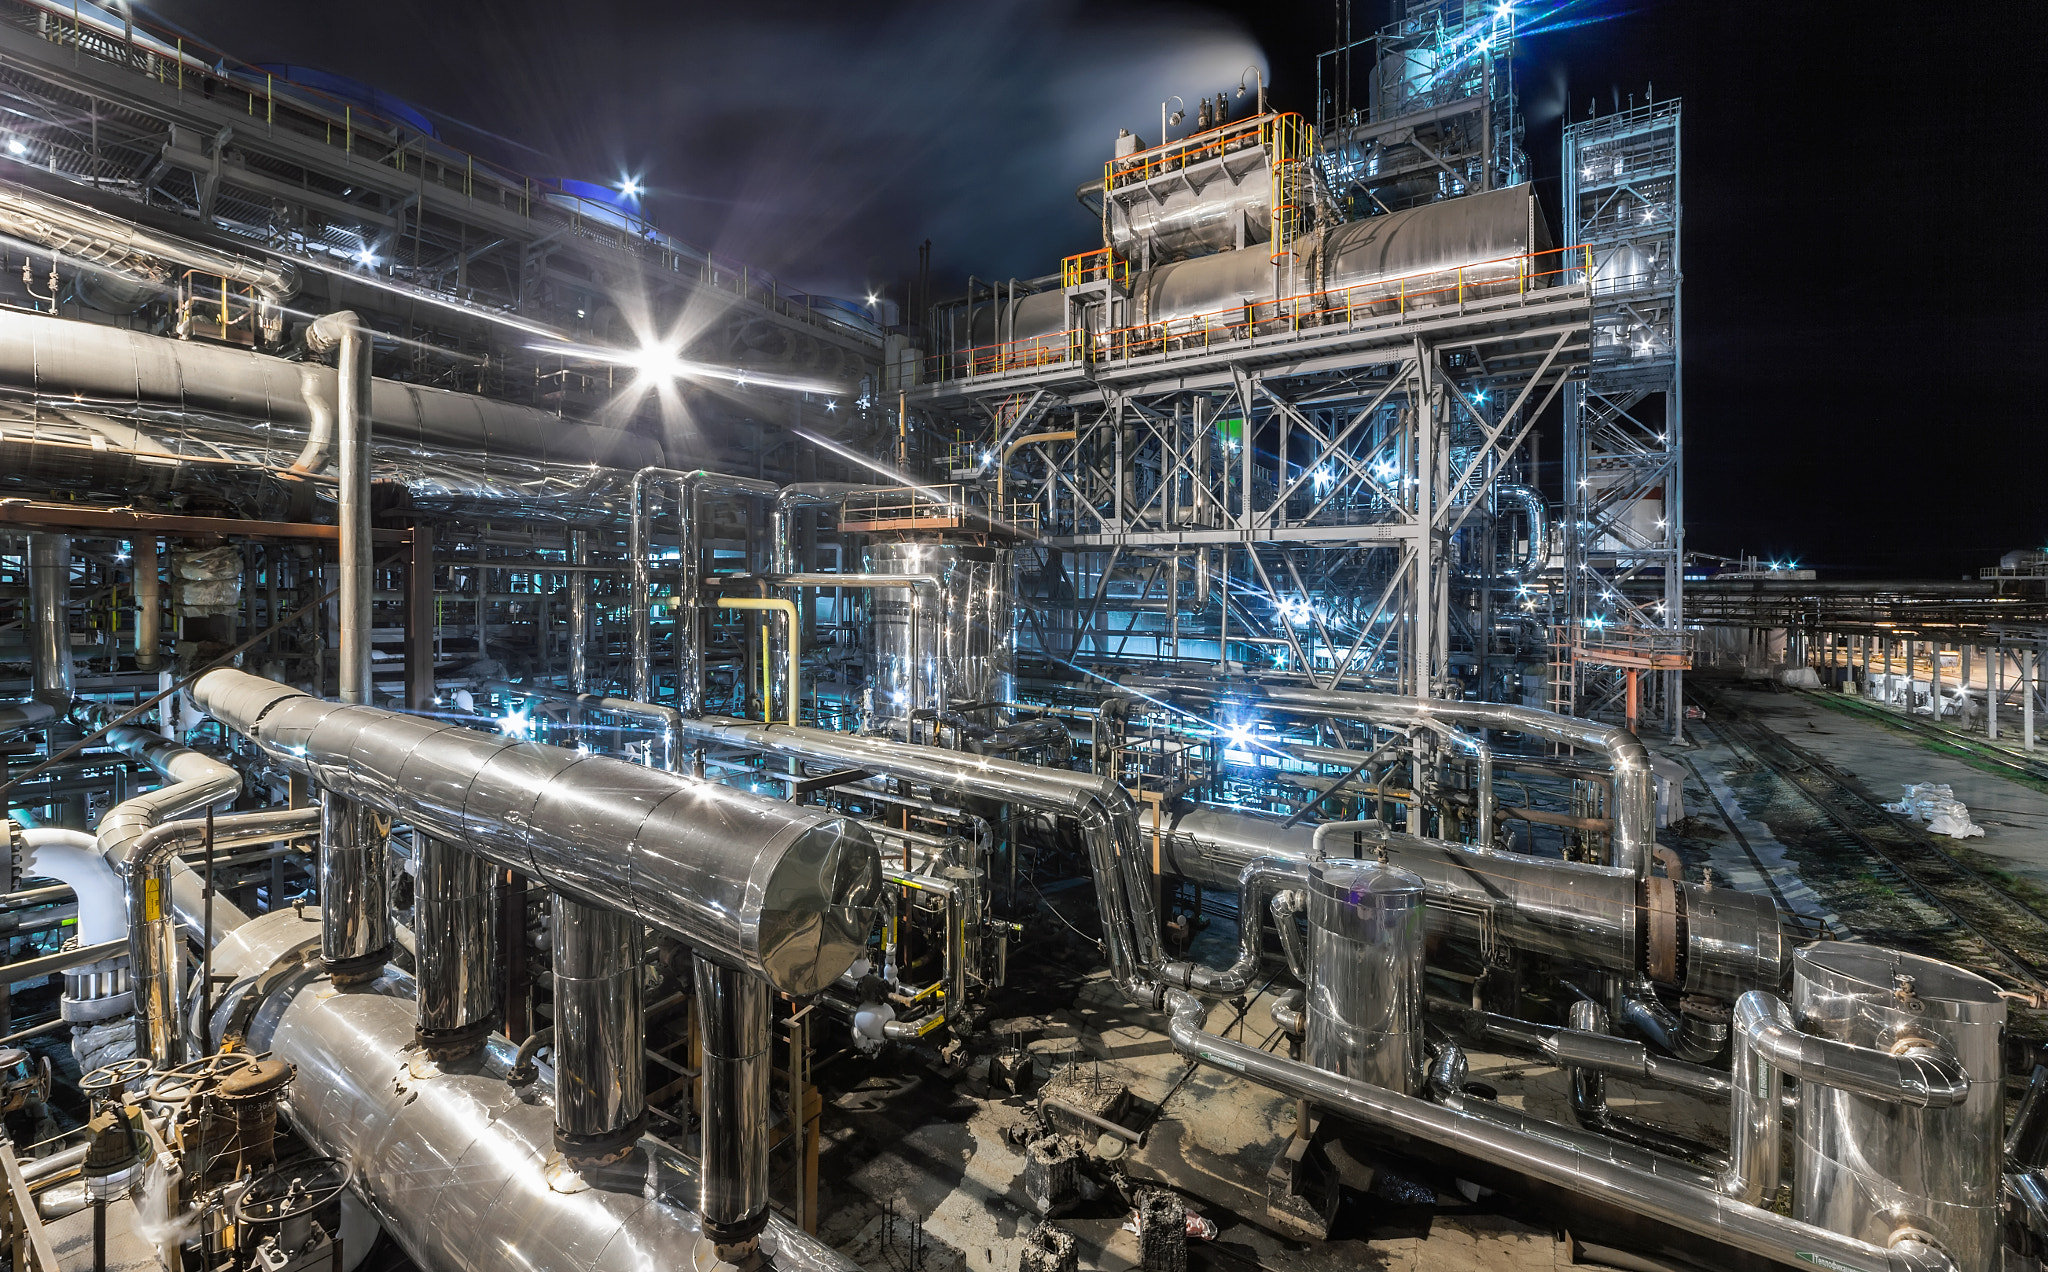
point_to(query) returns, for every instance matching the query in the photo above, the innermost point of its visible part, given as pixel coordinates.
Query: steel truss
(1624, 510)
(1326, 505)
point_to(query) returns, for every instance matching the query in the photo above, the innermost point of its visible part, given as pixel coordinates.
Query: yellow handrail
(788, 611)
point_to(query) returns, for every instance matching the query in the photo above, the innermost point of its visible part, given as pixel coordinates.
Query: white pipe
(73, 857)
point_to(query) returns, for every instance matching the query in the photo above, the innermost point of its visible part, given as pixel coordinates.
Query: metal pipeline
(733, 1013)
(1646, 1183)
(49, 620)
(1482, 755)
(15, 716)
(664, 719)
(793, 673)
(455, 1162)
(579, 613)
(454, 911)
(1635, 788)
(784, 891)
(1537, 514)
(600, 1028)
(689, 647)
(192, 781)
(343, 333)
(1728, 942)
(355, 903)
(156, 950)
(1769, 1047)
(1267, 873)
(1099, 808)
(149, 606)
(112, 245)
(808, 494)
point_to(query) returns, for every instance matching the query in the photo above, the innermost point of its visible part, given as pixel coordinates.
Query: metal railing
(1089, 267)
(1286, 317)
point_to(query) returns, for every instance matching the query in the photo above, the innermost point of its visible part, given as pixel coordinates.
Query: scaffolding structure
(1624, 509)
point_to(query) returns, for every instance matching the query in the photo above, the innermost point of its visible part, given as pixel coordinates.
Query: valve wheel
(291, 1192)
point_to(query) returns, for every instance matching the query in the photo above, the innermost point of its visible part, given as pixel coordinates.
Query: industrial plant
(531, 744)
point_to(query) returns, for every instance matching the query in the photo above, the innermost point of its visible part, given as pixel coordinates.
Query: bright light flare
(659, 364)
(631, 187)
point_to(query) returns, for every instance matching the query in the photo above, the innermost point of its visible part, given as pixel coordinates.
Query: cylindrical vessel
(784, 891)
(49, 613)
(600, 1077)
(355, 910)
(1882, 1171)
(453, 928)
(733, 1012)
(1365, 973)
(960, 643)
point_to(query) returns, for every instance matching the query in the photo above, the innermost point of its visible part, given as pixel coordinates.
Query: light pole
(1178, 115)
(1249, 71)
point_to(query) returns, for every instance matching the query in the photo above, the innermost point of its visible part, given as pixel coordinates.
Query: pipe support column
(343, 333)
(454, 930)
(355, 910)
(600, 1030)
(49, 606)
(733, 1014)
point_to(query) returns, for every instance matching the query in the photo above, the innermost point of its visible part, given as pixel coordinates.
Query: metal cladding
(959, 643)
(779, 890)
(49, 603)
(1560, 909)
(733, 1012)
(600, 1078)
(1912, 1162)
(355, 842)
(455, 1162)
(454, 918)
(1365, 923)
(1435, 245)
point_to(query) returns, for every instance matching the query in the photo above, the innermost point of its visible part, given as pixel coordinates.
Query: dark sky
(1863, 190)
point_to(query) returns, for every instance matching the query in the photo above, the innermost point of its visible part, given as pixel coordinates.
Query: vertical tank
(1879, 1171)
(962, 640)
(1366, 925)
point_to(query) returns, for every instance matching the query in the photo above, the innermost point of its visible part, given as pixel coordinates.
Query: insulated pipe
(73, 857)
(579, 613)
(664, 719)
(1482, 755)
(1635, 787)
(1645, 1183)
(733, 1013)
(1538, 515)
(15, 716)
(1003, 461)
(454, 1162)
(809, 494)
(319, 422)
(1100, 809)
(192, 781)
(355, 903)
(343, 332)
(784, 891)
(689, 649)
(1730, 941)
(112, 245)
(453, 914)
(156, 950)
(1768, 1047)
(600, 1028)
(792, 676)
(149, 607)
(1258, 877)
(49, 619)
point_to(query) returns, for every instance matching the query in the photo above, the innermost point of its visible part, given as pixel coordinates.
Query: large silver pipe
(454, 1161)
(665, 720)
(115, 246)
(343, 333)
(453, 923)
(15, 716)
(192, 781)
(806, 494)
(579, 613)
(149, 606)
(1100, 809)
(1537, 513)
(733, 1013)
(689, 650)
(355, 902)
(1730, 942)
(1647, 1184)
(49, 619)
(156, 947)
(784, 891)
(1635, 789)
(1267, 874)
(600, 1029)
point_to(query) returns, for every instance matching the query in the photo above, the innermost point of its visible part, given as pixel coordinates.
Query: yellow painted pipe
(788, 611)
(1003, 467)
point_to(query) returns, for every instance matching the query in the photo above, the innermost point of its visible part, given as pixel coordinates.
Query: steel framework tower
(1624, 509)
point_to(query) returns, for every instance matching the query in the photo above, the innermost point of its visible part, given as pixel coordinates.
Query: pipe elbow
(325, 332)
(1932, 1078)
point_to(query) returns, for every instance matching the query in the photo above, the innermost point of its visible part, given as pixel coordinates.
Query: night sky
(1863, 191)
